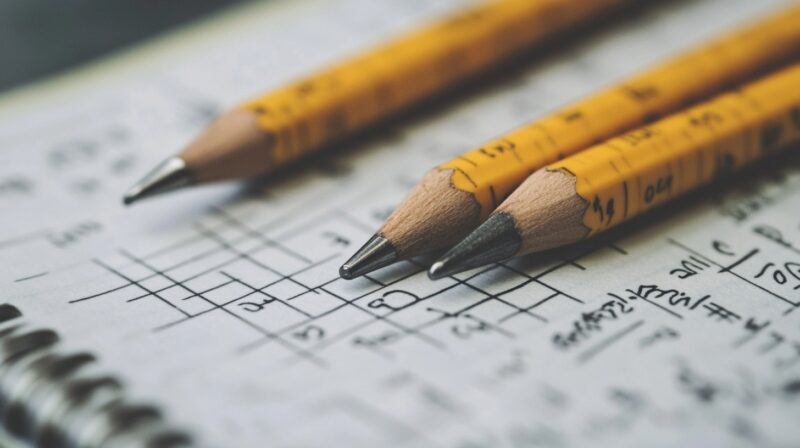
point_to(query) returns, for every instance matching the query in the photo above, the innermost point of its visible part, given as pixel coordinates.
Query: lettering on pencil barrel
(456, 196)
(626, 176)
(268, 132)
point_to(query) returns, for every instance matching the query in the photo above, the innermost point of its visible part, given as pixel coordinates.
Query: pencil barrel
(641, 169)
(492, 171)
(350, 96)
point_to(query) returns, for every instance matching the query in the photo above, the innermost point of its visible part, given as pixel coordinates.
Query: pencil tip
(495, 240)
(169, 175)
(376, 253)
(438, 270)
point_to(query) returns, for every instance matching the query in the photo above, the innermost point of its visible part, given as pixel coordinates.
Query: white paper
(223, 304)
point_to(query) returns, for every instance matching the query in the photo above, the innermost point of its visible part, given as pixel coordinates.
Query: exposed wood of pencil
(547, 211)
(433, 216)
(232, 146)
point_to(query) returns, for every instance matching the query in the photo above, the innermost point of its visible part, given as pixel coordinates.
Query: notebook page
(223, 304)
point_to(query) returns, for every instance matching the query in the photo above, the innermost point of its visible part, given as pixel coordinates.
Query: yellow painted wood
(370, 87)
(636, 171)
(494, 170)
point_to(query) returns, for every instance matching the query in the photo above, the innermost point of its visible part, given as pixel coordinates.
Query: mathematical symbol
(720, 312)
(753, 329)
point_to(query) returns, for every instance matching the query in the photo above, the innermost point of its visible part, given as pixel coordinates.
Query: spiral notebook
(216, 318)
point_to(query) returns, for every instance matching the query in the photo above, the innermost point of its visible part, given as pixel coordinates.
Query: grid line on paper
(217, 249)
(296, 350)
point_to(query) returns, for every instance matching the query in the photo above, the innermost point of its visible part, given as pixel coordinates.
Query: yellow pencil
(610, 183)
(268, 132)
(455, 197)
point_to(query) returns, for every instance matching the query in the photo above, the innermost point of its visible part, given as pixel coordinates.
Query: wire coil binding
(54, 399)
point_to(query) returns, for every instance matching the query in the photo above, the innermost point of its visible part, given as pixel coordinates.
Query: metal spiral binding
(62, 400)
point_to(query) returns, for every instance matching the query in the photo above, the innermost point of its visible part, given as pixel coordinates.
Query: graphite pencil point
(376, 253)
(495, 240)
(170, 175)
(433, 217)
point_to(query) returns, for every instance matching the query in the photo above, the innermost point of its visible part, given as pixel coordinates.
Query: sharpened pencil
(267, 133)
(590, 192)
(455, 197)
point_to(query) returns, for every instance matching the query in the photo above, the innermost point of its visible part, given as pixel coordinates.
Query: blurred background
(43, 37)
